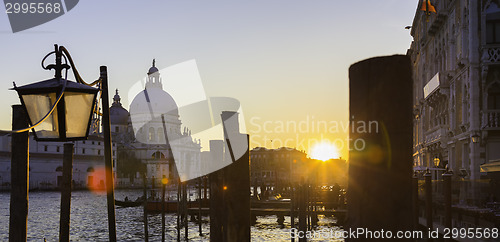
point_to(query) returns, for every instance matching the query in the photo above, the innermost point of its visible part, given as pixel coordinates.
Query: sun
(324, 151)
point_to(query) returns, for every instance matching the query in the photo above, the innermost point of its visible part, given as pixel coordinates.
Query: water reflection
(89, 220)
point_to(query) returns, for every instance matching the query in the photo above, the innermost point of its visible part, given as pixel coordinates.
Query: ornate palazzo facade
(456, 63)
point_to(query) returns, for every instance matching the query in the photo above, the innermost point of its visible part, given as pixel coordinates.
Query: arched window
(161, 135)
(493, 24)
(494, 96)
(152, 134)
(157, 155)
(90, 169)
(59, 168)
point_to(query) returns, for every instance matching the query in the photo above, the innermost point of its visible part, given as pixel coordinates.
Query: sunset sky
(286, 61)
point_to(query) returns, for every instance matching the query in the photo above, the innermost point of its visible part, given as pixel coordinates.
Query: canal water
(89, 220)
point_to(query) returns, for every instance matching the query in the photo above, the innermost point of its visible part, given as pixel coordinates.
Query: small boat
(127, 203)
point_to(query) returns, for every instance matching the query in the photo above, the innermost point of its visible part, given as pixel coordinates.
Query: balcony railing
(436, 134)
(491, 119)
(491, 53)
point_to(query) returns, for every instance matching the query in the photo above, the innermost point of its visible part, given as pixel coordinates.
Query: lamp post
(61, 110)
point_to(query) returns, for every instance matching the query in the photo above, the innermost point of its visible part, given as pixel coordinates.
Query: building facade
(46, 160)
(456, 65)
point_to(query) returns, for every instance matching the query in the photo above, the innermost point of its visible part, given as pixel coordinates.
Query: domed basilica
(150, 138)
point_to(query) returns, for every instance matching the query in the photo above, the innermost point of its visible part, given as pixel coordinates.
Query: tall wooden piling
(380, 133)
(237, 199)
(200, 203)
(428, 199)
(163, 210)
(184, 209)
(447, 198)
(217, 212)
(145, 211)
(236, 181)
(302, 203)
(19, 173)
(64, 219)
(415, 203)
(179, 209)
(108, 158)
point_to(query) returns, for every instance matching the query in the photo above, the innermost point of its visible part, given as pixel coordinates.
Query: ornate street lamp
(61, 110)
(476, 138)
(436, 161)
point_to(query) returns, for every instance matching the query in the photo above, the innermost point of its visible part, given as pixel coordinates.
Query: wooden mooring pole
(415, 203)
(380, 165)
(64, 219)
(428, 199)
(145, 211)
(162, 210)
(108, 158)
(184, 210)
(447, 198)
(179, 209)
(199, 205)
(302, 202)
(19, 173)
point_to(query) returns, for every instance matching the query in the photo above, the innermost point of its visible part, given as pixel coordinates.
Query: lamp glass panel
(78, 108)
(38, 105)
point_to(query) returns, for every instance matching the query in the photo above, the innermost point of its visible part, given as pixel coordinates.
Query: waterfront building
(46, 159)
(456, 78)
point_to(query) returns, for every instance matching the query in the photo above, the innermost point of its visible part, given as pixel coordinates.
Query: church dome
(153, 100)
(117, 114)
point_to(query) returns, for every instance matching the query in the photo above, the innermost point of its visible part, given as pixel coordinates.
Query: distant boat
(128, 203)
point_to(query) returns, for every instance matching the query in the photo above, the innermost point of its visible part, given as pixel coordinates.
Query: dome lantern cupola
(154, 80)
(116, 99)
(117, 114)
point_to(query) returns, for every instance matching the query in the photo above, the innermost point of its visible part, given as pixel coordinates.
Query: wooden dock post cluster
(380, 166)
(305, 200)
(429, 204)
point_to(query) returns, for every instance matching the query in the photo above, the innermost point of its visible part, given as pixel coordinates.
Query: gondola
(128, 203)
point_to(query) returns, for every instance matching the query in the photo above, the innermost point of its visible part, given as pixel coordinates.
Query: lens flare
(324, 151)
(96, 180)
